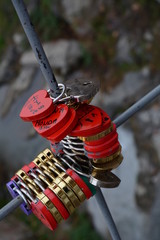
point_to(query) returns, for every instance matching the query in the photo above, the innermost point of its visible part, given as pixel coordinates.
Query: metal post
(36, 46)
(137, 106)
(107, 215)
(10, 207)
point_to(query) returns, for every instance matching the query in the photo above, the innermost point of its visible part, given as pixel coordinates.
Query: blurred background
(116, 42)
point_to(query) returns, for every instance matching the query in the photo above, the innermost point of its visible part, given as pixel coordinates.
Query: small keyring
(60, 85)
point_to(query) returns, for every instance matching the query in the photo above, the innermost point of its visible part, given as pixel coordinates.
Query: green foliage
(87, 57)
(152, 8)
(46, 22)
(8, 23)
(83, 229)
(103, 40)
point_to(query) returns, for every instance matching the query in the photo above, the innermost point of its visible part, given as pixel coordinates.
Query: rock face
(127, 92)
(62, 55)
(21, 83)
(76, 13)
(148, 139)
(8, 65)
(123, 50)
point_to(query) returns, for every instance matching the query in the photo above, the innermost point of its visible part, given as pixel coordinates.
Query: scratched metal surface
(85, 88)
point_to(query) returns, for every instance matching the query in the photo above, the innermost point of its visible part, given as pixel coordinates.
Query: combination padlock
(49, 189)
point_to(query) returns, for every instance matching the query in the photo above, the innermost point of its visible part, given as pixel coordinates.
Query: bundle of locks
(84, 149)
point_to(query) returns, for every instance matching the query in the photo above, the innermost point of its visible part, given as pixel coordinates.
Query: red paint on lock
(49, 125)
(15, 179)
(57, 203)
(44, 215)
(89, 119)
(103, 139)
(32, 165)
(106, 121)
(80, 183)
(101, 147)
(66, 129)
(38, 106)
(26, 169)
(56, 148)
(105, 153)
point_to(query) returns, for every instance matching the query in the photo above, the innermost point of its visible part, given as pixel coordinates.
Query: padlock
(80, 183)
(58, 204)
(62, 174)
(101, 147)
(55, 200)
(41, 196)
(93, 125)
(103, 139)
(107, 159)
(52, 197)
(104, 179)
(54, 176)
(105, 153)
(14, 190)
(83, 90)
(38, 106)
(91, 121)
(66, 129)
(61, 194)
(55, 188)
(52, 123)
(43, 214)
(51, 191)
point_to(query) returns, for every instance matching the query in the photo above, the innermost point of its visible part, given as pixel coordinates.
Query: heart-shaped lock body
(49, 125)
(38, 106)
(106, 121)
(89, 121)
(66, 129)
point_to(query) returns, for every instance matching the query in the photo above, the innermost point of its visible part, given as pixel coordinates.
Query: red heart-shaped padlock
(38, 106)
(89, 121)
(66, 129)
(53, 122)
